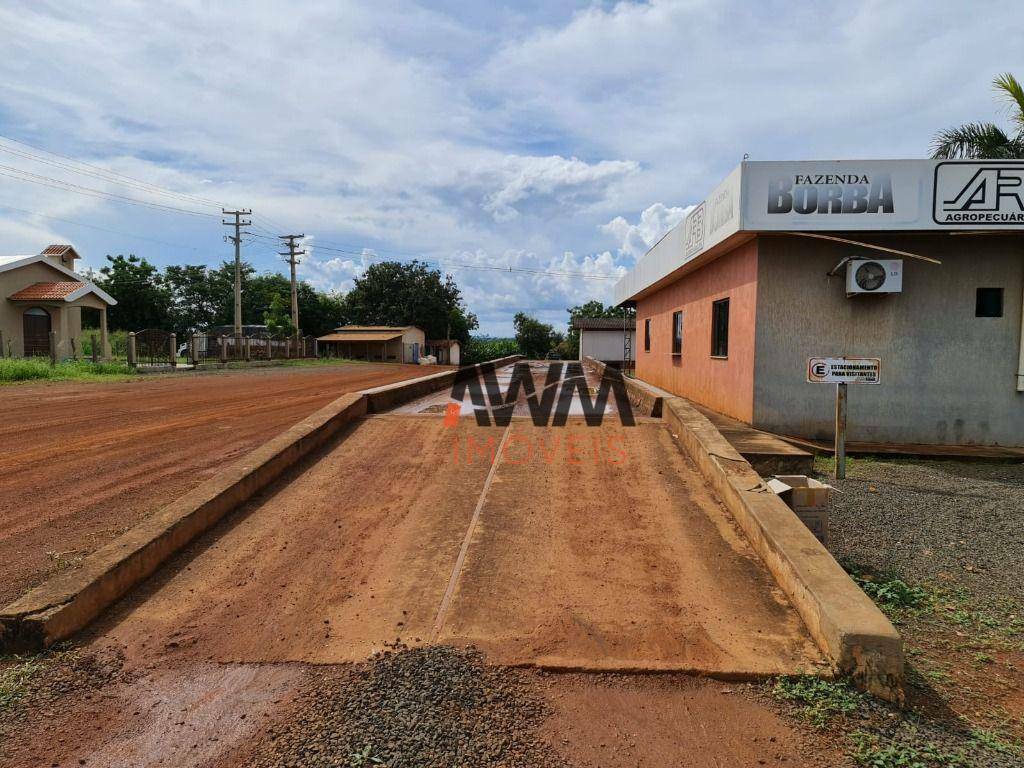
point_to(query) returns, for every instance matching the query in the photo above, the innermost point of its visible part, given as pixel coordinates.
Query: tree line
(192, 298)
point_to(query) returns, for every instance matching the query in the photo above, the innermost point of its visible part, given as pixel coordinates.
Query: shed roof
(364, 336)
(603, 324)
(358, 328)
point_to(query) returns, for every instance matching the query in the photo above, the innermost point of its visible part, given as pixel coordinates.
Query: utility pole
(293, 253)
(237, 240)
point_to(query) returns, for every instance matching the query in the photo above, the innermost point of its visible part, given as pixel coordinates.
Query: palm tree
(987, 140)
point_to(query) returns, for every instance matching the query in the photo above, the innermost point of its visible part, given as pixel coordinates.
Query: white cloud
(510, 133)
(655, 221)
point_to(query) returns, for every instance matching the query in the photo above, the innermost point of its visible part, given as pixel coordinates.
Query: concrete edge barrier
(69, 601)
(848, 627)
(388, 396)
(640, 395)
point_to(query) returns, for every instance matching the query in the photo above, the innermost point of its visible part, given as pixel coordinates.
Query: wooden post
(131, 350)
(247, 348)
(223, 349)
(95, 349)
(174, 350)
(841, 431)
(53, 347)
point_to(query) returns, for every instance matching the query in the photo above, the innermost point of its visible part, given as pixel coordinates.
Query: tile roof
(347, 328)
(46, 291)
(58, 250)
(364, 336)
(602, 323)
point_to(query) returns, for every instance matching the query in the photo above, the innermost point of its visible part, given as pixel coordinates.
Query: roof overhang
(367, 336)
(836, 196)
(10, 263)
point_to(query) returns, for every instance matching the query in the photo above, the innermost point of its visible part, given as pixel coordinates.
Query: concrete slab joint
(848, 627)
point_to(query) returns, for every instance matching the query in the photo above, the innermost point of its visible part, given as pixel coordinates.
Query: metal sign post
(840, 448)
(842, 371)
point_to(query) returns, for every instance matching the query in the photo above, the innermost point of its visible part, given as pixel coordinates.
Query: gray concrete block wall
(948, 377)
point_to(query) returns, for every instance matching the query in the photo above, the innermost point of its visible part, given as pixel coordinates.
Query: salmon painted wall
(724, 385)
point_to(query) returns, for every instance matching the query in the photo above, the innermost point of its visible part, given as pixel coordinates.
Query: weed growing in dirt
(15, 679)
(819, 700)
(869, 750)
(13, 370)
(996, 742)
(364, 757)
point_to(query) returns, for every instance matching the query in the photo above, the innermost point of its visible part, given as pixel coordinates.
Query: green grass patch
(14, 681)
(996, 742)
(15, 370)
(889, 591)
(818, 700)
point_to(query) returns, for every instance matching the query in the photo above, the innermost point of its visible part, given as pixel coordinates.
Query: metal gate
(153, 347)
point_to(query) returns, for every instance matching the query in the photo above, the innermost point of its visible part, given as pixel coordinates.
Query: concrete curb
(388, 396)
(848, 627)
(69, 601)
(641, 395)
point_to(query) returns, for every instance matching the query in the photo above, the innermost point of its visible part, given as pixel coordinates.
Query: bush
(482, 349)
(30, 369)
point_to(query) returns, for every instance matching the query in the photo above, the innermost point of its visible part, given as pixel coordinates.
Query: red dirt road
(81, 463)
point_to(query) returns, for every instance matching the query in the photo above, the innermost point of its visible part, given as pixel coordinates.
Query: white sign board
(844, 370)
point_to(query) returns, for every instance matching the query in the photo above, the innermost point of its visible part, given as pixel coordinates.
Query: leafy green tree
(278, 318)
(143, 296)
(534, 338)
(194, 303)
(392, 293)
(592, 308)
(986, 140)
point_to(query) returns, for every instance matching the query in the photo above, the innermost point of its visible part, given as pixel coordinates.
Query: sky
(560, 139)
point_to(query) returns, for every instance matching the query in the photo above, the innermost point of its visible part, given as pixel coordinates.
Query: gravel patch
(935, 522)
(412, 708)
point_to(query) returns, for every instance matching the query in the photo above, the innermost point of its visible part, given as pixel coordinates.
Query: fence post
(174, 350)
(193, 349)
(1, 343)
(53, 347)
(247, 348)
(316, 348)
(95, 349)
(132, 361)
(223, 349)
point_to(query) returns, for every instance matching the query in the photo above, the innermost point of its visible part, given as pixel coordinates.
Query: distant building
(605, 338)
(42, 294)
(391, 344)
(447, 351)
(918, 263)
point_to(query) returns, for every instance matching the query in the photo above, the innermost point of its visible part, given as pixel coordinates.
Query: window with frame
(677, 333)
(988, 302)
(720, 328)
(647, 335)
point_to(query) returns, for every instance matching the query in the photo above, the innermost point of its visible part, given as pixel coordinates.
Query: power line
(237, 240)
(67, 186)
(293, 253)
(99, 171)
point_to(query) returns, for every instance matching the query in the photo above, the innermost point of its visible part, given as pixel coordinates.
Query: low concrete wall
(641, 396)
(71, 600)
(387, 397)
(846, 625)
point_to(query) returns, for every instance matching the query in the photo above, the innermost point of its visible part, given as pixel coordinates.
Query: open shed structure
(385, 343)
(918, 263)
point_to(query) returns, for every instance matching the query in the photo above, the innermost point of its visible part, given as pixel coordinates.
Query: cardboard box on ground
(808, 498)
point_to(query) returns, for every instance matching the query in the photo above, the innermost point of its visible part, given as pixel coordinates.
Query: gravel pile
(938, 522)
(406, 708)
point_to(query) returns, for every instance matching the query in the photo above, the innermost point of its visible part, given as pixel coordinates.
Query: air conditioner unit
(874, 276)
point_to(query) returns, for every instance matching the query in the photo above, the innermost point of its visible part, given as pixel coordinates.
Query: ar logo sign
(478, 380)
(972, 193)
